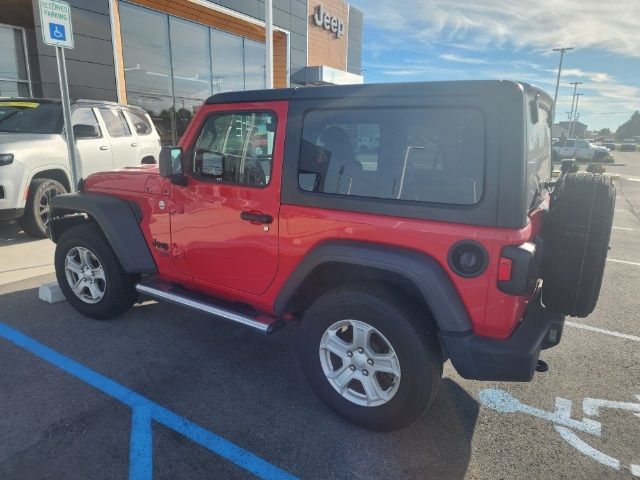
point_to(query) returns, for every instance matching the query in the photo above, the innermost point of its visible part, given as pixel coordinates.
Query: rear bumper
(514, 359)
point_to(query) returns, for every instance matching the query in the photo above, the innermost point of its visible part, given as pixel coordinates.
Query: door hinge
(177, 251)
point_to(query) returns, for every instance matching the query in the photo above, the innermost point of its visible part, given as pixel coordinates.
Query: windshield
(30, 117)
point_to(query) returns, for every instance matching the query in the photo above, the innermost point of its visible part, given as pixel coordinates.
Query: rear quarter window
(538, 154)
(430, 155)
(141, 122)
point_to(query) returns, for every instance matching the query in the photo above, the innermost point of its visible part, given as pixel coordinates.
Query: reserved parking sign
(55, 17)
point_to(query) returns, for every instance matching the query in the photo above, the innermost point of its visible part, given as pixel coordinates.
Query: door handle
(103, 147)
(256, 217)
(134, 144)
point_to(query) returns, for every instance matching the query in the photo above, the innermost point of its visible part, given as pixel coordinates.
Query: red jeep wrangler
(447, 240)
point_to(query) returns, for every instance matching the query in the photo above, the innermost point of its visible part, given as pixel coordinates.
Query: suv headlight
(6, 158)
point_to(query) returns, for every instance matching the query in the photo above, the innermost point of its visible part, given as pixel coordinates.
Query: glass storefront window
(14, 77)
(145, 36)
(254, 65)
(172, 65)
(160, 109)
(190, 59)
(227, 53)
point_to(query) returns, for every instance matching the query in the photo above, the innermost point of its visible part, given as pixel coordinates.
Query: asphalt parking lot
(208, 399)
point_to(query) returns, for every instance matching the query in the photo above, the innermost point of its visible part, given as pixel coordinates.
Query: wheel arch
(57, 174)
(118, 220)
(418, 275)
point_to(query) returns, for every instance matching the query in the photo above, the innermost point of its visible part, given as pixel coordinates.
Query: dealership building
(167, 56)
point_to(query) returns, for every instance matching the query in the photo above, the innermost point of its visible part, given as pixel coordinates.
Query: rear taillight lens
(504, 269)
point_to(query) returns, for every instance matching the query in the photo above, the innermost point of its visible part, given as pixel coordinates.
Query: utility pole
(268, 30)
(575, 87)
(555, 97)
(575, 116)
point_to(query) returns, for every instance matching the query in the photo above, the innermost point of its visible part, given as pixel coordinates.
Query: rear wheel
(369, 355)
(90, 275)
(37, 211)
(576, 242)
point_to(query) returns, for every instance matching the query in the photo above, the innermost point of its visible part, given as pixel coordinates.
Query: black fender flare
(118, 219)
(425, 272)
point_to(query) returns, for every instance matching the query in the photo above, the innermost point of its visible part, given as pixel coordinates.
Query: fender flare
(424, 271)
(118, 219)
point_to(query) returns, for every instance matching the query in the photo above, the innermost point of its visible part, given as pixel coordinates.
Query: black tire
(119, 287)
(407, 329)
(576, 242)
(40, 190)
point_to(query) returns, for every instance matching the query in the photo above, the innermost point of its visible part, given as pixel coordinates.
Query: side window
(569, 143)
(86, 118)
(236, 148)
(582, 145)
(115, 122)
(418, 154)
(141, 122)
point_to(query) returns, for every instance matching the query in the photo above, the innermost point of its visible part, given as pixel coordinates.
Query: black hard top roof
(370, 90)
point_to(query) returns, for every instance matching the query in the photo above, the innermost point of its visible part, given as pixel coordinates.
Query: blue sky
(410, 40)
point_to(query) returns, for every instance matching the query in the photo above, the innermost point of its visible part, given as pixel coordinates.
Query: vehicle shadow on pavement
(12, 234)
(244, 386)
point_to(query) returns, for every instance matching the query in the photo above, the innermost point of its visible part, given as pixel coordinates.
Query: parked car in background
(581, 150)
(609, 143)
(34, 165)
(628, 145)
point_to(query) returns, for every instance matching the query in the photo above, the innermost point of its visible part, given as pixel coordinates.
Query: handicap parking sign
(55, 17)
(57, 31)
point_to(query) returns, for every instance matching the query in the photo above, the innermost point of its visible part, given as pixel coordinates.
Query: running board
(179, 296)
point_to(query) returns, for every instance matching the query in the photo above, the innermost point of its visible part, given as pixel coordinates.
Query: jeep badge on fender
(402, 228)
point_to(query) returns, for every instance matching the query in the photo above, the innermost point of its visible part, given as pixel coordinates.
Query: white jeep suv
(34, 164)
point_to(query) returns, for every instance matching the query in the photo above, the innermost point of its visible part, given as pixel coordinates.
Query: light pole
(268, 33)
(573, 123)
(555, 97)
(575, 87)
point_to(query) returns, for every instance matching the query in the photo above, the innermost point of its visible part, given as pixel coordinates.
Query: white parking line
(633, 179)
(602, 330)
(637, 264)
(623, 228)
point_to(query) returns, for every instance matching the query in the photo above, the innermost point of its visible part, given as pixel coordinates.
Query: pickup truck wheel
(38, 208)
(90, 275)
(370, 356)
(576, 242)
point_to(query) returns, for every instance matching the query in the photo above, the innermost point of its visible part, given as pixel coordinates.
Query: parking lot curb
(50, 293)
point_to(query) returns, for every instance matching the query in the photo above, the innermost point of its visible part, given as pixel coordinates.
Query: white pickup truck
(580, 150)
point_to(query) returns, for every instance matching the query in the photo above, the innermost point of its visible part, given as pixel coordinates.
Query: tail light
(519, 268)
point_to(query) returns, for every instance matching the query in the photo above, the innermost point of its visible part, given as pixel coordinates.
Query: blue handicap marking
(143, 413)
(57, 32)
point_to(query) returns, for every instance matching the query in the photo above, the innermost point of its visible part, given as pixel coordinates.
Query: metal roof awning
(323, 75)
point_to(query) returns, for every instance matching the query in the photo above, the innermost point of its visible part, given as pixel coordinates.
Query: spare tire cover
(576, 241)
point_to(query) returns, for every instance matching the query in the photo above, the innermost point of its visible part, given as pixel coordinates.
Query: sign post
(57, 31)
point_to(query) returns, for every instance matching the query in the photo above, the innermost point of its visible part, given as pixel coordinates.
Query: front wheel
(37, 211)
(90, 275)
(371, 357)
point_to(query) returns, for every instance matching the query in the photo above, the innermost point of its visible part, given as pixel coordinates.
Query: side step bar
(173, 294)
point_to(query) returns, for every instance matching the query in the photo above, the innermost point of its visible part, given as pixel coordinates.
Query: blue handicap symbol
(57, 31)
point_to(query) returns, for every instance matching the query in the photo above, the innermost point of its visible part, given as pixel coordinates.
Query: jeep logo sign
(326, 21)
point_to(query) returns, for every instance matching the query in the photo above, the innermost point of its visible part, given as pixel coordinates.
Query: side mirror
(82, 130)
(169, 162)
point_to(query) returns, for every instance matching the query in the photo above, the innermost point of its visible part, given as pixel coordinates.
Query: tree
(604, 132)
(630, 128)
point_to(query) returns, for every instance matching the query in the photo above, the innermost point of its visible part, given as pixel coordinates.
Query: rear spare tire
(576, 241)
